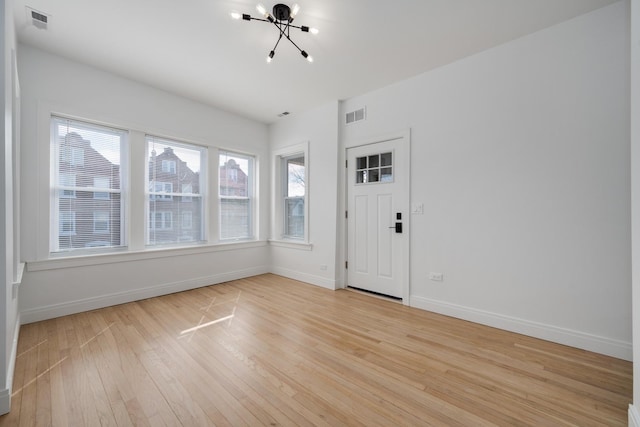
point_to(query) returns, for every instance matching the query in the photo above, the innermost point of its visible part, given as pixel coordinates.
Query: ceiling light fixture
(282, 16)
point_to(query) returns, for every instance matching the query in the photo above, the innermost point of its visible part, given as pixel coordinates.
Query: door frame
(404, 137)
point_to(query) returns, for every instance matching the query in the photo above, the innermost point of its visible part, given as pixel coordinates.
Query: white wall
(51, 287)
(520, 155)
(318, 127)
(9, 238)
(634, 414)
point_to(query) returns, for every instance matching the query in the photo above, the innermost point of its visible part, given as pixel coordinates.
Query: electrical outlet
(436, 277)
(323, 267)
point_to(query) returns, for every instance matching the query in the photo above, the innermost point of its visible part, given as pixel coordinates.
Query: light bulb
(261, 9)
(270, 57)
(294, 11)
(314, 30)
(306, 56)
(236, 15)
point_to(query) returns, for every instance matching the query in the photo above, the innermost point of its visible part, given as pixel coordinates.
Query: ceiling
(194, 49)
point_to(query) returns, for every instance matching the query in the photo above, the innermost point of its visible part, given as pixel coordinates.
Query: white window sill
(128, 256)
(291, 244)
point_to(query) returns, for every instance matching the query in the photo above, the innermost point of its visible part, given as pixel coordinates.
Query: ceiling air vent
(356, 116)
(38, 19)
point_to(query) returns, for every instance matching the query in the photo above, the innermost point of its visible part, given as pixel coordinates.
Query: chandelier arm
(293, 43)
(251, 18)
(278, 42)
(283, 33)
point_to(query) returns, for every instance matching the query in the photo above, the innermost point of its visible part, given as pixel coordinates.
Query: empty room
(320, 213)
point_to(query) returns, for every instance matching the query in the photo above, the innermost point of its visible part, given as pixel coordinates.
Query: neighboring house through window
(291, 193)
(101, 222)
(173, 169)
(235, 192)
(86, 157)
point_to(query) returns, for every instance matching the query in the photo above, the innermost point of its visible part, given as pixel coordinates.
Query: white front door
(378, 217)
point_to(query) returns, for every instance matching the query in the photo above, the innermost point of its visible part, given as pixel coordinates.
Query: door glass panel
(385, 159)
(374, 161)
(386, 175)
(361, 163)
(374, 168)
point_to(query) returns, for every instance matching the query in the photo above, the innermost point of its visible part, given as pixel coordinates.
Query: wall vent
(39, 19)
(356, 116)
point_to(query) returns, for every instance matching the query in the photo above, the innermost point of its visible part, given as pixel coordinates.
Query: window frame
(279, 193)
(169, 190)
(286, 198)
(251, 197)
(76, 156)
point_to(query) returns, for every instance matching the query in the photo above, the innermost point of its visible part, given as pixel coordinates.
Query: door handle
(398, 227)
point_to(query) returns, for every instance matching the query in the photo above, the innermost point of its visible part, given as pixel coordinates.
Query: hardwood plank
(268, 350)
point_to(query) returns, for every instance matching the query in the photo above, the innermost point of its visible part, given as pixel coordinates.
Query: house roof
(194, 49)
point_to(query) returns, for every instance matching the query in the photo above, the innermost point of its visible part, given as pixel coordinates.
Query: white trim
(291, 244)
(585, 341)
(5, 401)
(127, 256)
(5, 394)
(404, 137)
(311, 279)
(634, 416)
(87, 304)
(277, 211)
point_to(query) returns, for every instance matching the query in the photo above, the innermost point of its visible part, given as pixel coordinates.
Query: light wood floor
(272, 351)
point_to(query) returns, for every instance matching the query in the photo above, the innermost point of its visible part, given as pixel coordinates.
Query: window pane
(295, 177)
(294, 192)
(235, 218)
(174, 171)
(86, 157)
(294, 217)
(234, 174)
(236, 195)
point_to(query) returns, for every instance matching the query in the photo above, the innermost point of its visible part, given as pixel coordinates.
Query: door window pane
(374, 168)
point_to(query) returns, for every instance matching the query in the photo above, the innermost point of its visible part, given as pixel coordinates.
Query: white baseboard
(305, 277)
(634, 416)
(78, 306)
(5, 394)
(5, 401)
(610, 347)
